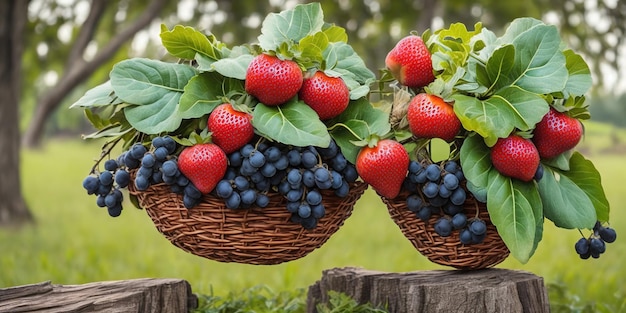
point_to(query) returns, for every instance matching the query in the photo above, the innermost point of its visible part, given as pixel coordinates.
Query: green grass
(74, 241)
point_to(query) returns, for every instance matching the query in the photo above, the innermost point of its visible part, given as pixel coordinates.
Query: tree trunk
(143, 295)
(480, 291)
(77, 70)
(13, 16)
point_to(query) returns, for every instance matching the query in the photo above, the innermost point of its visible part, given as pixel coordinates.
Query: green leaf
(341, 58)
(336, 34)
(584, 174)
(100, 95)
(498, 65)
(312, 46)
(348, 132)
(231, 67)
(497, 116)
(109, 131)
(476, 164)
(154, 89)
(185, 42)
(565, 203)
(142, 81)
(539, 64)
(204, 92)
(511, 210)
(579, 79)
(291, 25)
(357, 122)
(292, 123)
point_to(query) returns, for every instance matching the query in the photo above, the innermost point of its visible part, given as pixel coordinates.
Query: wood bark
(13, 16)
(78, 70)
(129, 296)
(489, 290)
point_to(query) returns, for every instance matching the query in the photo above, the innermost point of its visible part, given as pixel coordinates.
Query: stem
(348, 128)
(106, 151)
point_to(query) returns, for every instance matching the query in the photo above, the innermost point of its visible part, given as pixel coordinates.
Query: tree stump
(488, 290)
(137, 295)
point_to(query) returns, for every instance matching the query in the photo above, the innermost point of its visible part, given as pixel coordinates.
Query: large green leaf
(235, 67)
(101, 95)
(579, 80)
(204, 92)
(584, 174)
(292, 123)
(476, 164)
(565, 203)
(185, 42)
(154, 89)
(497, 116)
(291, 25)
(539, 64)
(342, 59)
(511, 210)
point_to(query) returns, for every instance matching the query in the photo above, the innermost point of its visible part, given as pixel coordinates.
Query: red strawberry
(328, 96)
(410, 63)
(384, 167)
(230, 129)
(431, 117)
(556, 133)
(204, 165)
(271, 80)
(515, 157)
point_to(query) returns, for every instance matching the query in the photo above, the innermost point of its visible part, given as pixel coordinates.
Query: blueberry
(443, 227)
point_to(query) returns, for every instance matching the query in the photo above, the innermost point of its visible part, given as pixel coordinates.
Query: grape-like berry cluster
(154, 166)
(595, 245)
(437, 189)
(159, 165)
(297, 173)
(105, 185)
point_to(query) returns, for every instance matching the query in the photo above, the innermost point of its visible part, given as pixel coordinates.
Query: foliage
(340, 303)
(150, 97)
(505, 85)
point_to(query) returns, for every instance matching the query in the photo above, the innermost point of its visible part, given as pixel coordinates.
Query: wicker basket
(249, 236)
(449, 251)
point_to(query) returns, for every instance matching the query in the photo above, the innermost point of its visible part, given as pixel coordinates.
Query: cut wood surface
(488, 290)
(136, 295)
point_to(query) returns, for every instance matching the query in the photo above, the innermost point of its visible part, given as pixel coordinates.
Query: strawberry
(431, 117)
(410, 62)
(556, 133)
(204, 165)
(516, 157)
(271, 80)
(230, 129)
(384, 167)
(328, 96)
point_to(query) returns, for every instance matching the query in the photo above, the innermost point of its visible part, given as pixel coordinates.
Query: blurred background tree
(71, 45)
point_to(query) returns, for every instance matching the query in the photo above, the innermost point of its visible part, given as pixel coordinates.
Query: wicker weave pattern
(250, 236)
(449, 251)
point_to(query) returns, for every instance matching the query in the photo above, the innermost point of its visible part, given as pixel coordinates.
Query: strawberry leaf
(290, 25)
(204, 92)
(292, 123)
(565, 203)
(579, 79)
(101, 95)
(476, 163)
(497, 116)
(341, 58)
(235, 67)
(584, 174)
(539, 64)
(154, 89)
(185, 42)
(514, 208)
